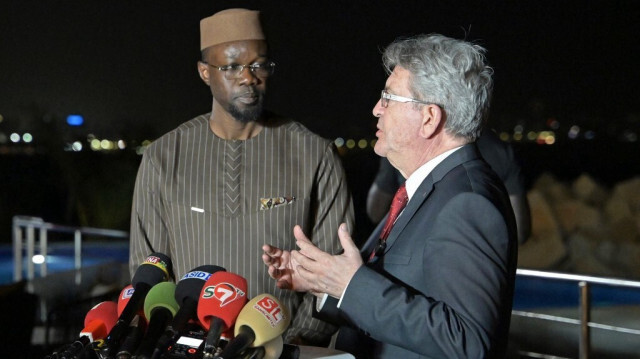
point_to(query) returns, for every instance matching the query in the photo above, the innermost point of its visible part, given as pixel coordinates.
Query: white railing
(583, 283)
(29, 232)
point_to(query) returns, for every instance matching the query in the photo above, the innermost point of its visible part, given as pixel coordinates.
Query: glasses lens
(233, 71)
(263, 70)
(383, 100)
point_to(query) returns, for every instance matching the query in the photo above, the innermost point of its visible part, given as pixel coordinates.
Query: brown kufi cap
(230, 25)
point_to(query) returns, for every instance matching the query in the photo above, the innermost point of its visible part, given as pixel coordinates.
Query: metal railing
(583, 283)
(27, 229)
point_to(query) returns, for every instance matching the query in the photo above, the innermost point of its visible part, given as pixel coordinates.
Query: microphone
(100, 320)
(186, 295)
(259, 322)
(124, 298)
(156, 268)
(222, 298)
(160, 307)
(273, 348)
(270, 350)
(134, 335)
(188, 292)
(97, 323)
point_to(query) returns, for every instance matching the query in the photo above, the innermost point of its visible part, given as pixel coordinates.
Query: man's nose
(378, 109)
(246, 76)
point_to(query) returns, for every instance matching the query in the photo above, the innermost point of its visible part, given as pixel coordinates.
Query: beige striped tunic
(204, 200)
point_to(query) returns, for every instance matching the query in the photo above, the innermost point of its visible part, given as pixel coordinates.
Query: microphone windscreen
(156, 268)
(273, 348)
(223, 296)
(266, 316)
(99, 320)
(161, 295)
(191, 283)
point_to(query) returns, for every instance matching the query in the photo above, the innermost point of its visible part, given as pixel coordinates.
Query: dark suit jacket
(444, 286)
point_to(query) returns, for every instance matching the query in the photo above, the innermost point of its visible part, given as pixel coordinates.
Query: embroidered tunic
(203, 200)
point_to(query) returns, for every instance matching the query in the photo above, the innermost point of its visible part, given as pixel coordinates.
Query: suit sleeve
(464, 284)
(333, 206)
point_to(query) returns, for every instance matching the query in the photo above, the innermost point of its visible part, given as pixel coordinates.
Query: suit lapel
(466, 153)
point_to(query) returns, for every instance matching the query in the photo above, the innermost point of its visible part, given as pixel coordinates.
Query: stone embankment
(584, 227)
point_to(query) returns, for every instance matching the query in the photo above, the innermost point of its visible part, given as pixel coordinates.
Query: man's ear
(432, 119)
(203, 71)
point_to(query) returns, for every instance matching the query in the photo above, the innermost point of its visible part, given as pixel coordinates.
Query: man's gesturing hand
(322, 272)
(283, 269)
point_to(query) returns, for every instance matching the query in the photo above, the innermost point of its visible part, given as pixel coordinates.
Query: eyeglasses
(385, 97)
(259, 69)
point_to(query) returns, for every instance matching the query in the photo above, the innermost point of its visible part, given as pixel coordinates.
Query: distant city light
(121, 144)
(339, 142)
(95, 144)
(1, 118)
(546, 138)
(373, 142)
(38, 259)
(27, 138)
(590, 135)
(76, 146)
(351, 143)
(75, 120)
(14, 137)
(3, 138)
(574, 131)
(553, 123)
(362, 143)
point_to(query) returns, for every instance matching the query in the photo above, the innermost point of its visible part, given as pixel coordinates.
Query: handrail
(30, 225)
(585, 323)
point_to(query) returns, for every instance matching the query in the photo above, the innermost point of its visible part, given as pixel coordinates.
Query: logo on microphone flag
(224, 292)
(158, 262)
(270, 309)
(127, 293)
(197, 275)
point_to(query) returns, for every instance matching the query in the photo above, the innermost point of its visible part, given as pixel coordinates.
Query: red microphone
(99, 320)
(222, 298)
(125, 296)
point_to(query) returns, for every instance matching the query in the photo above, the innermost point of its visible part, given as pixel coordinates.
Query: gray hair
(450, 73)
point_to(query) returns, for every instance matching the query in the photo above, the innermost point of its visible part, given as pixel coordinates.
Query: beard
(246, 113)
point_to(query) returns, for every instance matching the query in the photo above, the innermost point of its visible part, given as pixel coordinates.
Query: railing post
(43, 251)
(17, 251)
(30, 251)
(585, 318)
(78, 254)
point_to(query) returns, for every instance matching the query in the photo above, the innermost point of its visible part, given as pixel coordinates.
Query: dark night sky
(129, 66)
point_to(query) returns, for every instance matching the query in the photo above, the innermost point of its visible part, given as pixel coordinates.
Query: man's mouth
(248, 98)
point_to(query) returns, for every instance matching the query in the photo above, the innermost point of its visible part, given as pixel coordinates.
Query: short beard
(249, 114)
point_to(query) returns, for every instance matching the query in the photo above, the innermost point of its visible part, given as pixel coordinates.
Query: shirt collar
(413, 182)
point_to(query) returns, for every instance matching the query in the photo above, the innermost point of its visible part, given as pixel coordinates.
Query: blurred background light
(75, 120)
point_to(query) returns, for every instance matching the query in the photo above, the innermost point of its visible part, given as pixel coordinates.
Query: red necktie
(397, 205)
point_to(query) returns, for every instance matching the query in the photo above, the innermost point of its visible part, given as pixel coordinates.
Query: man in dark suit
(440, 283)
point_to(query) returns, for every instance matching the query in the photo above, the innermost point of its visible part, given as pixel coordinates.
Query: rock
(545, 247)
(587, 190)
